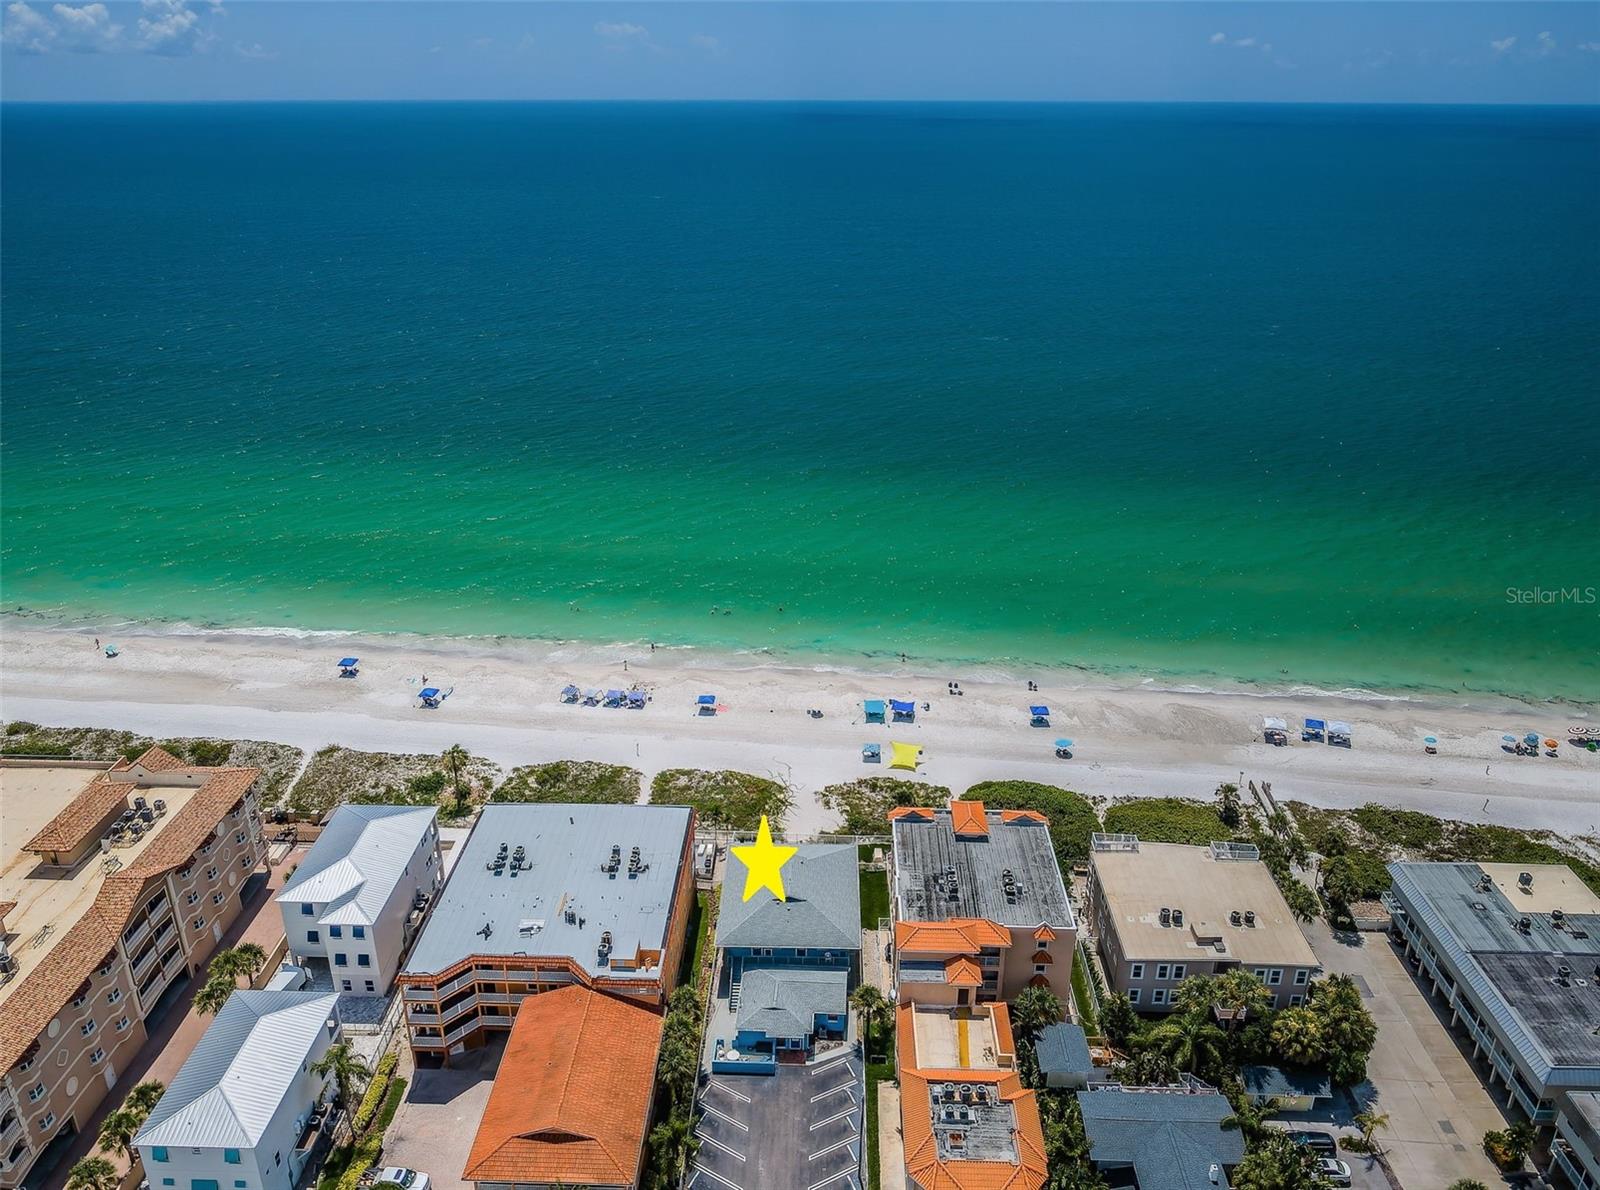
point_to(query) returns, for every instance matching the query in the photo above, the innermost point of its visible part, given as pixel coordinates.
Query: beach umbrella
(1550, 743)
(1531, 738)
(1063, 743)
(1509, 738)
(1430, 740)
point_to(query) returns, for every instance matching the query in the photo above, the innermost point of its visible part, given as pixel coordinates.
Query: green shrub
(1072, 818)
(377, 1088)
(21, 727)
(1409, 829)
(864, 804)
(727, 799)
(571, 781)
(1168, 820)
(336, 775)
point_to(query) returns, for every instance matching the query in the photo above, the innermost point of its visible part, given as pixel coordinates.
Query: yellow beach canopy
(905, 756)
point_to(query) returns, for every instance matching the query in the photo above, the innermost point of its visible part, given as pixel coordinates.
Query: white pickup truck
(406, 1179)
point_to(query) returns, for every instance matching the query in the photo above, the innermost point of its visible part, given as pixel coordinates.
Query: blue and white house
(787, 967)
(246, 1111)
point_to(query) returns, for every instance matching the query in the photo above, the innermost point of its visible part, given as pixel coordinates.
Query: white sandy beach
(505, 705)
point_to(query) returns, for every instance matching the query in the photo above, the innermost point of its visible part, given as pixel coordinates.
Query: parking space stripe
(724, 1116)
(729, 1090)
(833, 1091)
(841, 1116)
(711, 1173)
(849, 1140)
(843, 1173)
(717, 1144)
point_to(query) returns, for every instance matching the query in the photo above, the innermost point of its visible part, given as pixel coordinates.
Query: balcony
(10, 1132)
(131, 940)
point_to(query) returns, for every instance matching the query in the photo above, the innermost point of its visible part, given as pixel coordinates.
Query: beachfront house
(247, 1111)
(980, 909)
(786, 967)
(358, 897)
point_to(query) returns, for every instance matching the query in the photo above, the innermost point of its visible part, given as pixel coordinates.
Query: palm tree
(1251, 1118)
(1369, 1121)
(118, 1129)
(93, 1173)
(455, 759)
(1033, 1010)
(144, 1097)
(214, 993)
(1297, 1036)
(872, 1008)
(674, 1142)
(251, 958)
(1191, 1042)
(348, 1070)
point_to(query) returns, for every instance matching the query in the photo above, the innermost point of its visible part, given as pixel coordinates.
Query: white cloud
(1245, 43)
(1503, 45)
(255, 51)
(620, 29)
(705, 42)
(167, 27)
(1547, 44)
(1218, 38)
(1589, 47)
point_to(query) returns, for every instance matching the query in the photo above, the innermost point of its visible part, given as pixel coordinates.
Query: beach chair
(871, 753)
(1041, 716)
(349, 667)
(570, 694)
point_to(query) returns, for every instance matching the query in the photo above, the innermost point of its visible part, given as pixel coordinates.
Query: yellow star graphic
(763, 863)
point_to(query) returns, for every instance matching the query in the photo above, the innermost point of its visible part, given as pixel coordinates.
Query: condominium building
(358, 896)
(1514, 952)
(248, 1109)
(544, 896)
(1575, 1150)
(980, 910)
(119, 886)
(1163, 912)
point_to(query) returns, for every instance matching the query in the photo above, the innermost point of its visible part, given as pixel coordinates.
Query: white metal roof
(229, 1089)
(356, 862)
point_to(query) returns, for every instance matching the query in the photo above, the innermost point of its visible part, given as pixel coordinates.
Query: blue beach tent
(570, 693)
(430, 696)
(613, 698)
(636, 698)
(707, 704)
(874, 708)
(1041, 716)
(1313, 729)
(347, 667)
(903, 709)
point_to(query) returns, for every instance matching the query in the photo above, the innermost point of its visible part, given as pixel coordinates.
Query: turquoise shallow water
(1265, 394)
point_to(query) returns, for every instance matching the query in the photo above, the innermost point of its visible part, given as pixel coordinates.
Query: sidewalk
(171, 1042)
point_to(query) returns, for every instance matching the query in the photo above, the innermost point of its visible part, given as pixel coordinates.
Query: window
(306, 910)
(370, 988)
(336, 931)
(199, 923)
(192, 897)
(122, 1024)
(47, 1122)
(244, 860)
(800, 952)
(25, 1065)
(363, 960)
(158, 1153)
(78, 1001)
(37, 1093)
(239, 838)
(1163, 971)
(203, 1184)
(1296, 1001)
(239, 1183)
(1159, 996)
(97, 1057)
(1137, 972)
(1260, 973)
(1179, 970)
(1275, 977)
(104, 969)
(231, 1156)
(169, 1181)
(216, 898)
(113, 995)
(211, 872)
(358, 931)
(1133, 995)
(1301, 976)
(1038, 968)
(339, 959)
(87, 1027)
(312, 937)
(346, 984)
(277, 1158)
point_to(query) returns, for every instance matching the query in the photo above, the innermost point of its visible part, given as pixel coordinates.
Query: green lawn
(700, 925)
(877, 1072)
(1080, 994)
(874, 898)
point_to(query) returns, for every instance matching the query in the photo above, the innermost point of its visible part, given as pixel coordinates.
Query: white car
(1336, 1172)
(411, 1179)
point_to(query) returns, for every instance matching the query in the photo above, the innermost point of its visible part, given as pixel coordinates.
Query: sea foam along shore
(1140, 741)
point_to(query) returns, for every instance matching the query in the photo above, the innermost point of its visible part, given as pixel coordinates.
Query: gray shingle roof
(783, 1001)
(1063, 1049)
(822, 909)
(1171, 1139)
(230, 1086)
(358, 859)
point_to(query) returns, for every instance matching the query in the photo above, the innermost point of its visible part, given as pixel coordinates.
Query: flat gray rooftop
(563, 899)
(1485, 919)
(938, 876)
(986, 1125)
(1562, 1011)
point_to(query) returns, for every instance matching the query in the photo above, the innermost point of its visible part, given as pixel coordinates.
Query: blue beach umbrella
(1063, 743)
(1509, 738)
(1430, 740)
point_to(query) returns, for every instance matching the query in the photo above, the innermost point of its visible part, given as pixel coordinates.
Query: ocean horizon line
(759, 101)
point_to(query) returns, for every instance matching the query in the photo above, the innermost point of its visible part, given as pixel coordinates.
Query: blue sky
(1493, 51)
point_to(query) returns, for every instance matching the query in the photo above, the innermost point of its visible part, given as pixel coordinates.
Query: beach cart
(570, 694)
(349, 667)
(871, 753)
(706, 704)
(904, 712)
(430, 696)
(1313, 731)
(1041, 716)
(1063, 749)
(1275, 731)
(1339, 734)
(875, 709)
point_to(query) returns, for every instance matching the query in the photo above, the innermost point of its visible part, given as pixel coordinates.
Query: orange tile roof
(82, 816)
(966, 818)
(84, 947)
(1044, 934)
(6, 907)
(1041, 957)
(923, 1164)
(1017, 815)
(156, 759)
(921, 813)
(571, 1101)
(1001, 1016)
(962, 972)
(1039, 981)
(963, 935)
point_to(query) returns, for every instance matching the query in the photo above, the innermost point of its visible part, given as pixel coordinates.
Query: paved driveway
(1419, 1076)
(438, 1118)
(798, 1129)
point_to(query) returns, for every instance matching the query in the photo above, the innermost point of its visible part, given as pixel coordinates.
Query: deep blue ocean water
(1261, 393)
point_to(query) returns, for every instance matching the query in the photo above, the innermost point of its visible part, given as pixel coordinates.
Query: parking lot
(799, 1129)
